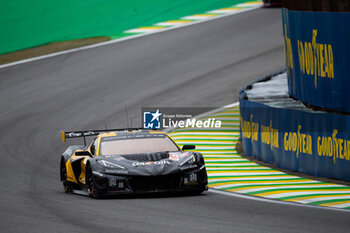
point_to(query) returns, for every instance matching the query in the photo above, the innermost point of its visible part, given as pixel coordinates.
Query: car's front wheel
(90, 184)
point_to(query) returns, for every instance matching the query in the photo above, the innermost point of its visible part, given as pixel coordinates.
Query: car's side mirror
(188, 147)
(83, 153)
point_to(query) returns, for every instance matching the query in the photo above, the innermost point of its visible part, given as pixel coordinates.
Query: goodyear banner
(317, 57)
(308, 142)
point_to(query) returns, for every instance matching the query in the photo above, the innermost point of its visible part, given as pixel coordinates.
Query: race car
(126, 161)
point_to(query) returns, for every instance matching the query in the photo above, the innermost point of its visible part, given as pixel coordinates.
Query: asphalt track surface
(202, 65)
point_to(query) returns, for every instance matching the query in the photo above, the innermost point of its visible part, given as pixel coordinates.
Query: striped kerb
(228, 171)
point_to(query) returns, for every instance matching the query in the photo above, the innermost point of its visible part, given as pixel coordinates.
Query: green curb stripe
(308, 196)
(222, 182)
(227, 154)
(212, 161)
(328, 201)
(226, 162)
(257, 185)
(212, 145)
(207, 139)
(301, 189)
(248, 176)
(213, 137)
(219, 159)
(239, 166)
(237, 170)
(221, 153)
(203, 150)
(213, 158)
(204, 135)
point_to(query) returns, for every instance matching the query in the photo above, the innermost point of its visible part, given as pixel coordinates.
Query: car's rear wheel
(66, 187)
(90, 184)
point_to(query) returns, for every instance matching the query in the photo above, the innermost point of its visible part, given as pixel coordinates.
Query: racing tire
(90, 184)
(66, 187)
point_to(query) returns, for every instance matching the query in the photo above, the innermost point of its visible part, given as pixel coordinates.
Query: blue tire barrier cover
(316, 143)
(317, 56)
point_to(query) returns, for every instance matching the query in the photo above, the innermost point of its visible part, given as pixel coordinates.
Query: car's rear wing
(88, 133)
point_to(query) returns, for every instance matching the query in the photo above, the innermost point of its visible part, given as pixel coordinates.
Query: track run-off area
(228, 171)
(188, 20)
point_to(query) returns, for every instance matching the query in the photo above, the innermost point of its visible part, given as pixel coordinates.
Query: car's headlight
(188, 161)
(109, 164)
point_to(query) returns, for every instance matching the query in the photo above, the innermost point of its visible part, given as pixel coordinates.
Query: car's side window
(93, 146)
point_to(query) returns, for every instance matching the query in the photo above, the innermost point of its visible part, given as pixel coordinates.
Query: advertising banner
(316, 143)
(317, 57)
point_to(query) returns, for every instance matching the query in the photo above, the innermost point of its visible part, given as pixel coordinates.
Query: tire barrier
(317, 48)
(280, 130)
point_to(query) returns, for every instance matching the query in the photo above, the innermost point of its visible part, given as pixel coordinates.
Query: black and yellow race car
(125, 161)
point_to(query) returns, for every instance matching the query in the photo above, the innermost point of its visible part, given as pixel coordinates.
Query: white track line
(259, 183)
(122, 39)
(280, 195)
(143, 30)
(197, 17)
(296, 187)
(222, 11)
(340, 205)
(323, 199)
(274, 201)
(252, 178)
(171, 24)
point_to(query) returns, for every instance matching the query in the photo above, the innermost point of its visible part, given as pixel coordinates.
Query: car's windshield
(137, 146)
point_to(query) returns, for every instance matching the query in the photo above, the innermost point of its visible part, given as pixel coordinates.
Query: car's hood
(161, 163)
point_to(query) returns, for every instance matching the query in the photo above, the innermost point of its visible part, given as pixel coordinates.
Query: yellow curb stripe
(313, 197)
(335, 203)
(292, 181)
(281, 186)
(303, 190)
